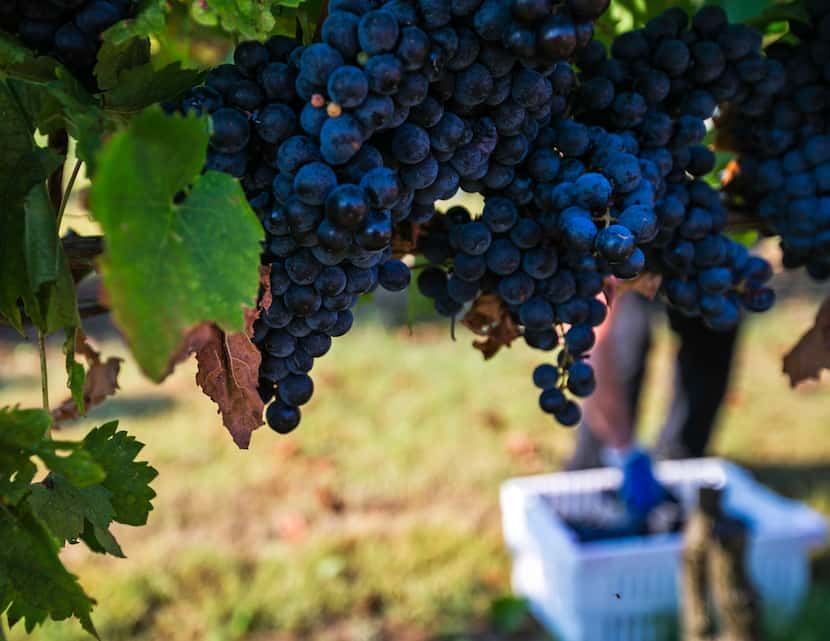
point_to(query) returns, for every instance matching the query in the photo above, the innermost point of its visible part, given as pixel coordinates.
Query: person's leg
(619, 360)
(703, 367)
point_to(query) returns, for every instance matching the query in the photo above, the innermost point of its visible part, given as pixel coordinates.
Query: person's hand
(641, 491)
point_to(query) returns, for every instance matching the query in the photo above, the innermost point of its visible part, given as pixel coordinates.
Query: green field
(379, 518)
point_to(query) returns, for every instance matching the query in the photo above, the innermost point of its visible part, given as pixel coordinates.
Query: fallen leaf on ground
(330, 499)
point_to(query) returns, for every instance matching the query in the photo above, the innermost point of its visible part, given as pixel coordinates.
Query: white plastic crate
(627, 589)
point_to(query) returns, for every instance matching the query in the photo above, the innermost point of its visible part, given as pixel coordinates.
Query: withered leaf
(405, 239)
(101, 380)
(264, 301)
(228, 374)
(488, 317)
(812, 352)
(195, 338)
(228, 367)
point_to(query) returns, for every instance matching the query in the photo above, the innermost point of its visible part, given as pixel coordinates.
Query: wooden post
(714, 564)
(697, 622)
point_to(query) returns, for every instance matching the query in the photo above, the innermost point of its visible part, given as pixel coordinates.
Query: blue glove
(641, 491)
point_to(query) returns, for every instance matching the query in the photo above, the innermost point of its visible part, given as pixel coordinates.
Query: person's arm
(618, 358)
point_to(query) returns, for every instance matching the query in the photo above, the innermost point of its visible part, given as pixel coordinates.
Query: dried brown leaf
(266, 299)
(405, 239)
(228, 374)
(812, 352)
(228, 367)
(101, 380)
(486, 311)
(488, 317)
(196, 338)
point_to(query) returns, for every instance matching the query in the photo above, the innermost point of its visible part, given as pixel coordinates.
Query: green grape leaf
(24, 434)
(85, 121)
(100, 540)
(22, 166)
(12, 51)
(745, 10)
(14, 280)
(54, 304)
(90, 484)
(68, 512)
(34, 584)
(127, 480)
(75, 372)
(41, 69)
(61, 306)
(54, 99)
(40, 242)
(22, 163)
(254, 19)
(33, 255)
(115, 58)
(143, 86)
(167, 267)
(149, 20)
(21, 432)
(16, 473)
(79, 466)
(42, 107)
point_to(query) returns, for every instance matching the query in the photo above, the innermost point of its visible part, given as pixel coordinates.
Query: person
(703, 366)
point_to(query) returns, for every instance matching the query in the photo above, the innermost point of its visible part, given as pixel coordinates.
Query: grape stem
(44, 374)
(324, 12)
(68, 191)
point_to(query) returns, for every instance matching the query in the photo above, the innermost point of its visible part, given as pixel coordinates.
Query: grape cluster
(783, 162)
(69, 30)
(706, 273)
(325, 199)
(613, 188)
(545, 253)
(659, 86)
(538, 31)
(344, 147)
(343, 142)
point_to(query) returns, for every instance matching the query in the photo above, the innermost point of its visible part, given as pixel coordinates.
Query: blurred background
(379, 518)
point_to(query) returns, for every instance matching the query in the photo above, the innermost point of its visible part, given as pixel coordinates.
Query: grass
(379, 518)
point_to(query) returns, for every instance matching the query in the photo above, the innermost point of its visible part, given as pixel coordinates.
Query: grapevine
(782, 169)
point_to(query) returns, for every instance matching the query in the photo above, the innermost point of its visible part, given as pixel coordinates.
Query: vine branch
(59, 143)
(68, 191)
(44, 374)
